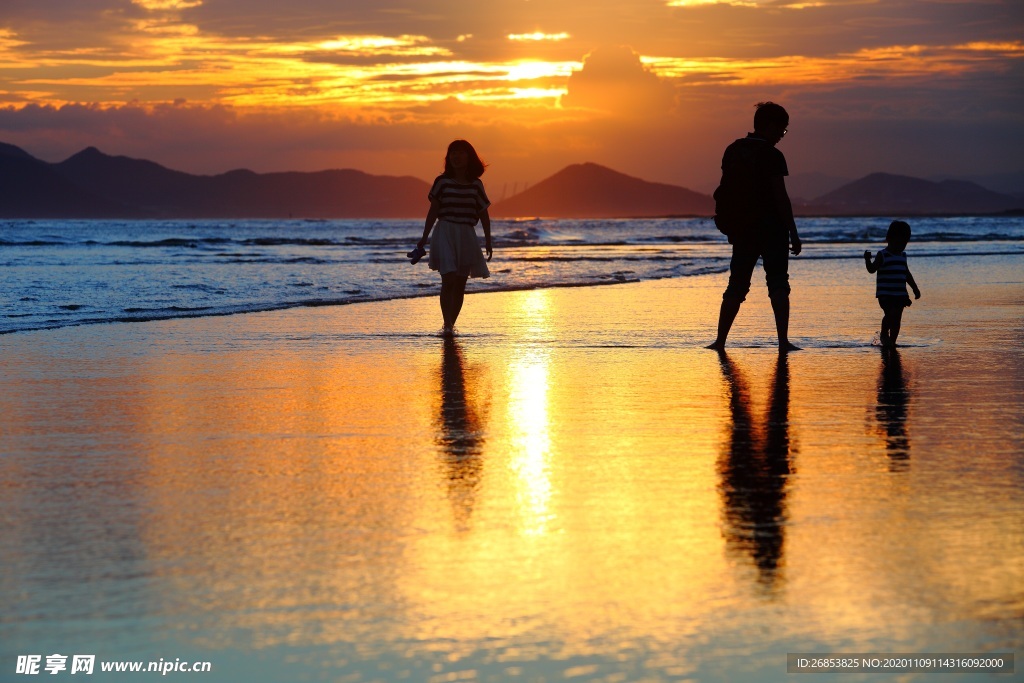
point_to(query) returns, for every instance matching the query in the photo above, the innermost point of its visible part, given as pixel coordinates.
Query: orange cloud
(890, 62)
(614, 79)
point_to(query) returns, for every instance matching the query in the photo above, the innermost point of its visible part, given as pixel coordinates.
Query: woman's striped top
(458, 202)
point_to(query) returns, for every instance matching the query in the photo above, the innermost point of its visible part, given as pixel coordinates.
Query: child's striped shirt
(891, 278)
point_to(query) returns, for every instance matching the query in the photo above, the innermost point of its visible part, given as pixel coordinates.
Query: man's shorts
(774, 258)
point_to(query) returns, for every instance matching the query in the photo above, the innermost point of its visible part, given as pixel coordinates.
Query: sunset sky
(653, 88)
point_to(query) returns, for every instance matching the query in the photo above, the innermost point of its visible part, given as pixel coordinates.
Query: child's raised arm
(872, 267)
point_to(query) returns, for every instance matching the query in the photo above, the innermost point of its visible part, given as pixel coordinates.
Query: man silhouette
(753, 174)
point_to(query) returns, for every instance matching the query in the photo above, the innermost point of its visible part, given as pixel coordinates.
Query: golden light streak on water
(530, 447)
(530, 439)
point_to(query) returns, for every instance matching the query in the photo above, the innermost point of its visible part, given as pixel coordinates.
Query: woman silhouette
(457, 202)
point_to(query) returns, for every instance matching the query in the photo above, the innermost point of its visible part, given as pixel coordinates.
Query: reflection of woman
(891, 410)
(754, 470)
(460, 433)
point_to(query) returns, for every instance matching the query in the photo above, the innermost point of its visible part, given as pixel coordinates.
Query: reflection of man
(753, 192)
(754, 470)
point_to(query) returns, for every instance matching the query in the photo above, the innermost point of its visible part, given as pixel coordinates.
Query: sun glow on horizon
(537, 93)
(538, 36)
(163, 5)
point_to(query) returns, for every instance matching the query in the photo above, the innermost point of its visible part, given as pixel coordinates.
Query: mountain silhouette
(804, 186)
(91, 184)
(145, 185)
(162, 192)
(30, 188)
(8, 150)
(884, 193)
(593, 191)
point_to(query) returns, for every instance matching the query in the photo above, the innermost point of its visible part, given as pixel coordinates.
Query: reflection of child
(892, 280)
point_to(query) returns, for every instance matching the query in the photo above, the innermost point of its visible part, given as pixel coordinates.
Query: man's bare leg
(726, 316)
(780, 305)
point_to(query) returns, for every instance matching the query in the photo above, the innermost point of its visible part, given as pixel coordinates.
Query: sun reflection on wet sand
(530, 441)
(563, 491)
(531, 444)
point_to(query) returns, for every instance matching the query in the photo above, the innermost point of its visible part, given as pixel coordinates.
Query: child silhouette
(892, 279)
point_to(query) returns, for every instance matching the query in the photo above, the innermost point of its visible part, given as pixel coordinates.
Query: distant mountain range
(592, 191)
(92, 184)
(883, 193)
(805, 186)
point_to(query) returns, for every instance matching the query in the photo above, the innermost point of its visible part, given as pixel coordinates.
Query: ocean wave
(614, 258)
(875, 235)
(700, 238)
(59, 274)
(259, 258)
(162, 244)
(514, 239)
(380, 241)
(289, 241)
(174, 309)
(32, 243)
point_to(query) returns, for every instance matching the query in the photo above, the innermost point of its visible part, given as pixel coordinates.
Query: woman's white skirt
(454, 248)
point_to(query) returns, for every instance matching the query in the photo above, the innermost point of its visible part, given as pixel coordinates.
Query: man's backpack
(735, 204)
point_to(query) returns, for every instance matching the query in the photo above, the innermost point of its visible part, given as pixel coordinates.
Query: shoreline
(430, 293)
(322, 304)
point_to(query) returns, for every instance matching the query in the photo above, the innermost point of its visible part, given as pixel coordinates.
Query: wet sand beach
(573, 489)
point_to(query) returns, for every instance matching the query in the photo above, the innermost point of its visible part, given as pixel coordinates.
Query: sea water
(58, 273)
